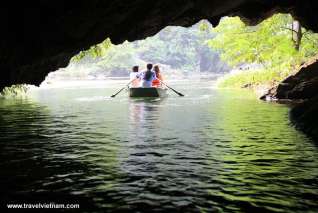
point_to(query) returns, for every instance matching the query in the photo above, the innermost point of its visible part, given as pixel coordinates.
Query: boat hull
(147, 92)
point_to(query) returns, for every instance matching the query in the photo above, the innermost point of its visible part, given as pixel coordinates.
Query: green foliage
(15, 91)
(180, 48)
(268, 44)
(204, 27)
(252, 77)
(118, 59)
(94, 51)
(176, 48)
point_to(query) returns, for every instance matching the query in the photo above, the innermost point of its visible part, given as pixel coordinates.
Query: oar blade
(180, 94)
(113, 96)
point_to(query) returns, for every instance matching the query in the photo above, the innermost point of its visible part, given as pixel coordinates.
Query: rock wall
(302, 85)
(305, 116)
(302, 89)
(40, 36)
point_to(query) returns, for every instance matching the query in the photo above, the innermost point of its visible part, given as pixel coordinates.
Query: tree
(269, 43)
(269, 46)
(177, 49)
(297, 34)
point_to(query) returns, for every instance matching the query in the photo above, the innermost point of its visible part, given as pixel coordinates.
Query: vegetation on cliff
(94, 51)
(262, 54)
(178, 50)
(15, 91)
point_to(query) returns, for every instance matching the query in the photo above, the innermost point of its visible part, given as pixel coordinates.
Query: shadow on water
(32, 169)
(44, 155)
(43, 160)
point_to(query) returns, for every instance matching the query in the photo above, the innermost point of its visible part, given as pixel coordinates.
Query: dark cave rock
(305, 116)
(302, 85)
(301, 89)
(41, 36)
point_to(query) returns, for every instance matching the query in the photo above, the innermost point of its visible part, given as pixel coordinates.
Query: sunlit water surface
(212, 150)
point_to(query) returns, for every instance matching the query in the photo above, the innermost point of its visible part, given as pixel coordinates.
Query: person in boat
(134, 77)
(157, 81)
(147, 77)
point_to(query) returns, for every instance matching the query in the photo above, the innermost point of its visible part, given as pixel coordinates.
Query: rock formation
(41, 36)
(305, 116)
(301, 88)
(302, 85)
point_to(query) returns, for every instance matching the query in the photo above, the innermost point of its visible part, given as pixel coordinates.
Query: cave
(42, 36)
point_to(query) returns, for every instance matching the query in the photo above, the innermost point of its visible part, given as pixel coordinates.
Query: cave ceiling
(42, 36)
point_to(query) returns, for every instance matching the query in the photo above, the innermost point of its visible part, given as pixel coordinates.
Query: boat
(147, 92)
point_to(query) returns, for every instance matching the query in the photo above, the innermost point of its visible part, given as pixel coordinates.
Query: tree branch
(286, 28)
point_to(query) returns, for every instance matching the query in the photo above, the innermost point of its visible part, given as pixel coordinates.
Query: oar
(113, 96)
(180, 94)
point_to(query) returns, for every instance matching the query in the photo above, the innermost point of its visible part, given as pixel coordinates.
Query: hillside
(179, 51)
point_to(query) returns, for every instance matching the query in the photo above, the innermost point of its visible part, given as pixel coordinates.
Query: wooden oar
(113, 96)
(180, 94)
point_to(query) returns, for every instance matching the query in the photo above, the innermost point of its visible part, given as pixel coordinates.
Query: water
(210, 151)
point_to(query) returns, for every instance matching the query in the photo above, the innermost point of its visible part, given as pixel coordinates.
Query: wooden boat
(147, 92)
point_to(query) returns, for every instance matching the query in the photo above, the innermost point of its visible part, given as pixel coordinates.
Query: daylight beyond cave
(179, 51)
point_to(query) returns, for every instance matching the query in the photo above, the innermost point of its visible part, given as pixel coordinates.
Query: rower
(147, 77)
(157, 81)
(135, 81)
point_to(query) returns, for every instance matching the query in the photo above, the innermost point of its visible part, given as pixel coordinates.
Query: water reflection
(209, 151)
(144, 117)
(259, 159)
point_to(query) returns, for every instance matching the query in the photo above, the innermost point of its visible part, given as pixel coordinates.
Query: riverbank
(258, 80)
(298, 88)
(301, 89)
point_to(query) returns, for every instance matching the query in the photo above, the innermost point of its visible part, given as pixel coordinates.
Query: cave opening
(218, 148)
(269, 52)
(179, 52)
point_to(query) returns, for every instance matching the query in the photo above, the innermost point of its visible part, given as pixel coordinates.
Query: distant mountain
(178, 50)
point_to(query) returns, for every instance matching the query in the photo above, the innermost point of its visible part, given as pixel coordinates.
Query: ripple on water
(209, 151)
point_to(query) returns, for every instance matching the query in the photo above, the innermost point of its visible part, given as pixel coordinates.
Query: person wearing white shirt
(134, 77)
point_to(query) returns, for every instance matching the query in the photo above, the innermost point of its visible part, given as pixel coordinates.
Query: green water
(212, 150)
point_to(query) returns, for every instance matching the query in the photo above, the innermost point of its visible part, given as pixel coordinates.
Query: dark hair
(135, 68)
(148, 75)
(157, 68)
(149, 66)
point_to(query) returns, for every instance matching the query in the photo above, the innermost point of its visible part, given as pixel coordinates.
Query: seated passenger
(147, 77)
(157, 81)
(134, 77)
